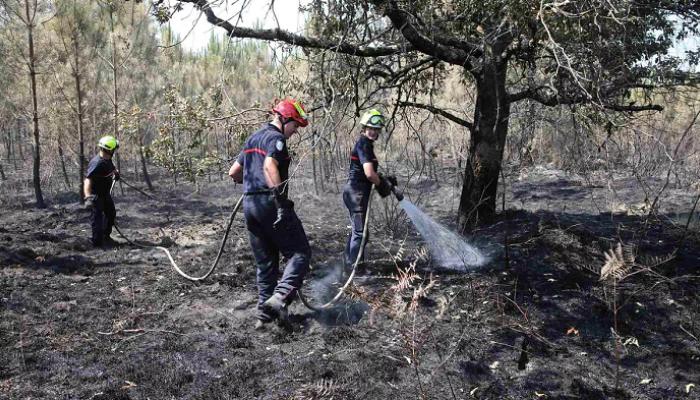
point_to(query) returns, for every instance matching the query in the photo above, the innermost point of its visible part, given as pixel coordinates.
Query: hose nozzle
(397, 192)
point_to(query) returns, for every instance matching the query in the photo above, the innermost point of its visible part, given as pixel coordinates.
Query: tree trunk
(478, 200)
(63, 164)
(136, 172)
(2, 173)
(32, 75)
(7, 141)
(11, 155)
(19, 140)
(144, 168)
(116, 95)
(314, 150)
(81, 133)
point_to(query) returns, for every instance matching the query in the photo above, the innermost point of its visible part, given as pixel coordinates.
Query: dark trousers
(103, 215)
(267, 243)
(356, 198)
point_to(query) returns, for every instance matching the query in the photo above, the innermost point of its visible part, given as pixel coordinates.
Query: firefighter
(363, 173)
(101, 173)
(273, 226)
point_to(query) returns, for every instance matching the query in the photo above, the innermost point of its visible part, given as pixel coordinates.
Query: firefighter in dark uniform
(98, 182)
(273, 226)
(362, 175)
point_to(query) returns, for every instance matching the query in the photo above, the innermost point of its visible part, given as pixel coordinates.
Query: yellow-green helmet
(109, 143)
(373, 119)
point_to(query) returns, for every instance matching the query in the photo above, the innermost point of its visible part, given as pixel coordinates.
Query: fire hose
(167, 252)
(303, 298)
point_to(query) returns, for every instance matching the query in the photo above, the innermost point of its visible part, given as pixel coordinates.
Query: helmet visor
(376, 121)
(301, 120)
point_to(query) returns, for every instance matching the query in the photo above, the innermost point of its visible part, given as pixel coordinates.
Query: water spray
(449, 250)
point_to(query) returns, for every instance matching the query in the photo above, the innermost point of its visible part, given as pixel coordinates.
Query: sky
(692, 44)
(196, 30)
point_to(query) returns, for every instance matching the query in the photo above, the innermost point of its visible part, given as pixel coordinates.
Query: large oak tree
(610, 54)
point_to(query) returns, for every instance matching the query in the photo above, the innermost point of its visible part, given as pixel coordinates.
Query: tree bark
(116, 95)
(478, 200)
(63, 164)
(81, 133)
(7, 140)
(314, 149)
(36, 174)
(11, 146)
(19, 141)
(144, 168)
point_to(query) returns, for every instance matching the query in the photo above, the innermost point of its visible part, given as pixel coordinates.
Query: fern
(402, 296)
(617, 264)
(319, 390)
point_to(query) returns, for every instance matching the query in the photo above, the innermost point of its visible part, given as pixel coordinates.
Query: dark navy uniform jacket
(100, 171)
(260, 210)
(268, 141)
(363, 152)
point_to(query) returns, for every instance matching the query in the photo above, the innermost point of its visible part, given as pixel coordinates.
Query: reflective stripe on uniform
(354, 158)
(255, 150)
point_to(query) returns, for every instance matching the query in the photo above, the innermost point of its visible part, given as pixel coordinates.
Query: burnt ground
(536, 322)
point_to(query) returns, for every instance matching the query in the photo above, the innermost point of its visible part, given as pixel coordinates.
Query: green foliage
(164, 11)
(161, 12)
(170, 100)
(582, 51)
(130, 123)
(214, 46)
(181, 144)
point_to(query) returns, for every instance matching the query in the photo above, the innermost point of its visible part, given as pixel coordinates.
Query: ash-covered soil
(536, 322)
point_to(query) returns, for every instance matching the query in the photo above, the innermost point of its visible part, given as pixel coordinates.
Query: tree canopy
(611, 55)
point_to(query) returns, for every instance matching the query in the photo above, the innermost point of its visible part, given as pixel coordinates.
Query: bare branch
(547, 96)
(634, 108)
(396, 79)
(440, 112)
(280, 35)
(454, 52)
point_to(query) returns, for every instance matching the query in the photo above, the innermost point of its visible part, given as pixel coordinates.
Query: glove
(90, 201)
(285, 215)
(395, 187)
(384, 188)
(285, 210)
(392, 180)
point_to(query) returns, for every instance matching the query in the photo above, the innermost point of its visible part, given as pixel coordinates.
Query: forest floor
(535, 322)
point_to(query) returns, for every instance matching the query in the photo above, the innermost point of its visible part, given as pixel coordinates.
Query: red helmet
(290, 108)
